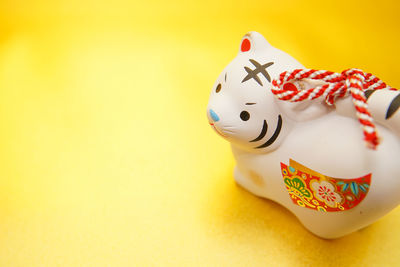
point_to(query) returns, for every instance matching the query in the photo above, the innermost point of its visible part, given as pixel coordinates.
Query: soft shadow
(262, 224)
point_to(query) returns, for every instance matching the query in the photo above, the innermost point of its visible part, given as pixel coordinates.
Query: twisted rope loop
(335, 85)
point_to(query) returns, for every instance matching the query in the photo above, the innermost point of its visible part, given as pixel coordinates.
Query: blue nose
(214, 115)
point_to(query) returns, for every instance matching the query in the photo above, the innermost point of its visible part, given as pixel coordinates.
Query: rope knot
(334, 86)
(354, 78)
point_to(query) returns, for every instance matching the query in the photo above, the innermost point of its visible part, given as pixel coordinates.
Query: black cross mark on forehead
(259, 68)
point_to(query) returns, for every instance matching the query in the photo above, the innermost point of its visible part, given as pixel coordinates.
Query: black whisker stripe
(275, 135)
(368, 93)
(393, 107)
(263, 132)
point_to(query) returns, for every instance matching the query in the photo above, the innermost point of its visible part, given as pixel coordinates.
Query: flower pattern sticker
(325, 192)
(310, 189)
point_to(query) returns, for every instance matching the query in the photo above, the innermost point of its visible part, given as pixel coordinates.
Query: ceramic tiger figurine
(307, 156)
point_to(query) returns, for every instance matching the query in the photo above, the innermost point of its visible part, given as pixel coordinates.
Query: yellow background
(106, 156)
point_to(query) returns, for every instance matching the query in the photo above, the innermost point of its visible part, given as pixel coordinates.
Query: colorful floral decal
(313, 190)
(326, 192)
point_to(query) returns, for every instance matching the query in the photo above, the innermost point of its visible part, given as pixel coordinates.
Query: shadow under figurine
(309, 155)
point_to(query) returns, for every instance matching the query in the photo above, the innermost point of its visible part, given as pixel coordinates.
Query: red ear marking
(245, 45)
(290, 87)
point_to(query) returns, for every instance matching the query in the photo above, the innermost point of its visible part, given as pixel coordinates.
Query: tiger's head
(242, 108)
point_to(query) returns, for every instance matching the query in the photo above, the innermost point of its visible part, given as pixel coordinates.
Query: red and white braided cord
(336, 85)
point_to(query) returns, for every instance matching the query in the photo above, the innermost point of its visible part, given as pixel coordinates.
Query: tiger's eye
(244, 115)
(218, 88)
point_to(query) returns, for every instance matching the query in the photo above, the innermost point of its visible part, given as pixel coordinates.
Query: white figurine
(307, 156)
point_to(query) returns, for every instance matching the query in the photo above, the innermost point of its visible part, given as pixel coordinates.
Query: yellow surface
(107, 158)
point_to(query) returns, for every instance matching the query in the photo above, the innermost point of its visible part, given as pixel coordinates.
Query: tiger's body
(265, 133)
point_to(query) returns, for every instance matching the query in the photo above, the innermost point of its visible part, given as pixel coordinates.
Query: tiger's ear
(253, 41)
(304, 110)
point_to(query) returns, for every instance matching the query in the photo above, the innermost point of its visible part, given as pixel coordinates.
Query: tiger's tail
(384, 106)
